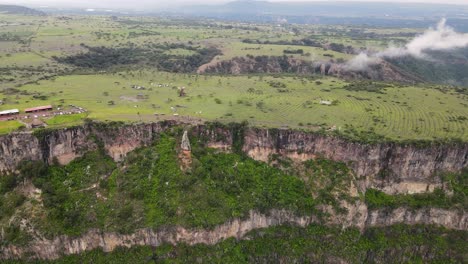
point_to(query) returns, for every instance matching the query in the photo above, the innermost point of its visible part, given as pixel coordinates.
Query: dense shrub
(154, 56)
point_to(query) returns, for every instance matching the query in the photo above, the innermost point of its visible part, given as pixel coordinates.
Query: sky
(166, 3)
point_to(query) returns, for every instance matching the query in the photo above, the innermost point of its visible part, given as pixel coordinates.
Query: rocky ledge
(357, 216)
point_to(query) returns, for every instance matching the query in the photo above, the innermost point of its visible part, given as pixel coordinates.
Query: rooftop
(8, 112)
(39, 108)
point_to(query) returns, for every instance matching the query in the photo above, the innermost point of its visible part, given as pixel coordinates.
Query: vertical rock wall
(392, 167)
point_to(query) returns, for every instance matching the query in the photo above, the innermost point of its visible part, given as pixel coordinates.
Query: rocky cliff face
(383, 71)
(15, 148)
(67, 144)
(390, 167)
(357, 216)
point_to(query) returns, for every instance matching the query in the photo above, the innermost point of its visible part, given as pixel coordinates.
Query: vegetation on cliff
(455, 195)
(150, 190)
(445, 67)
(219, 186)
(316, 244)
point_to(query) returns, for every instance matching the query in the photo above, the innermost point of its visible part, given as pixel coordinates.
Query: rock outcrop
(382, 71)
(15, 148)
(391, 167)
(357, 217)
(185, 145)
(185, 154)
(67, 144)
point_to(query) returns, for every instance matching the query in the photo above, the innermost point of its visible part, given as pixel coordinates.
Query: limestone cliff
(391, 167)
(383, 71)
(15, 148)
(67, 144)
(237, 228)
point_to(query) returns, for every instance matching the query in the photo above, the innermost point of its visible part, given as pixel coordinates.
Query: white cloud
(361, 62)
(440, 38)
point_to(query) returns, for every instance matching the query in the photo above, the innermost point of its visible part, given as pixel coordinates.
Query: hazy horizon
(137, 4)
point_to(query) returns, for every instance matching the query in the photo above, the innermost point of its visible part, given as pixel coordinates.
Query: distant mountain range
(20, 10)
(378, 14)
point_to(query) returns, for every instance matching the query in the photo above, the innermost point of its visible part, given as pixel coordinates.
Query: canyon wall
(383, 71)
(65, 145)
(391, 167)
(357, 216)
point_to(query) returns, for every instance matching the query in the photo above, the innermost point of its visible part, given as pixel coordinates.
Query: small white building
(325, 102)
(9, 112)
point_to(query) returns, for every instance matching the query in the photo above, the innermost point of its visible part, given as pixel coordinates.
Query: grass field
(9, 126)
(398, 113)
(239, 49)
(66, 120)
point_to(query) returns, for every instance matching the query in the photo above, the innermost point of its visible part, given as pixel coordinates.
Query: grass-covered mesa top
(96, 62)
(393, 111)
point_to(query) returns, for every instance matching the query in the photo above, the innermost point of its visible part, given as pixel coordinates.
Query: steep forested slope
(449, 67)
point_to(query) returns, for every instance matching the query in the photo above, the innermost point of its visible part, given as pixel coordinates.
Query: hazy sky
(165, 3)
